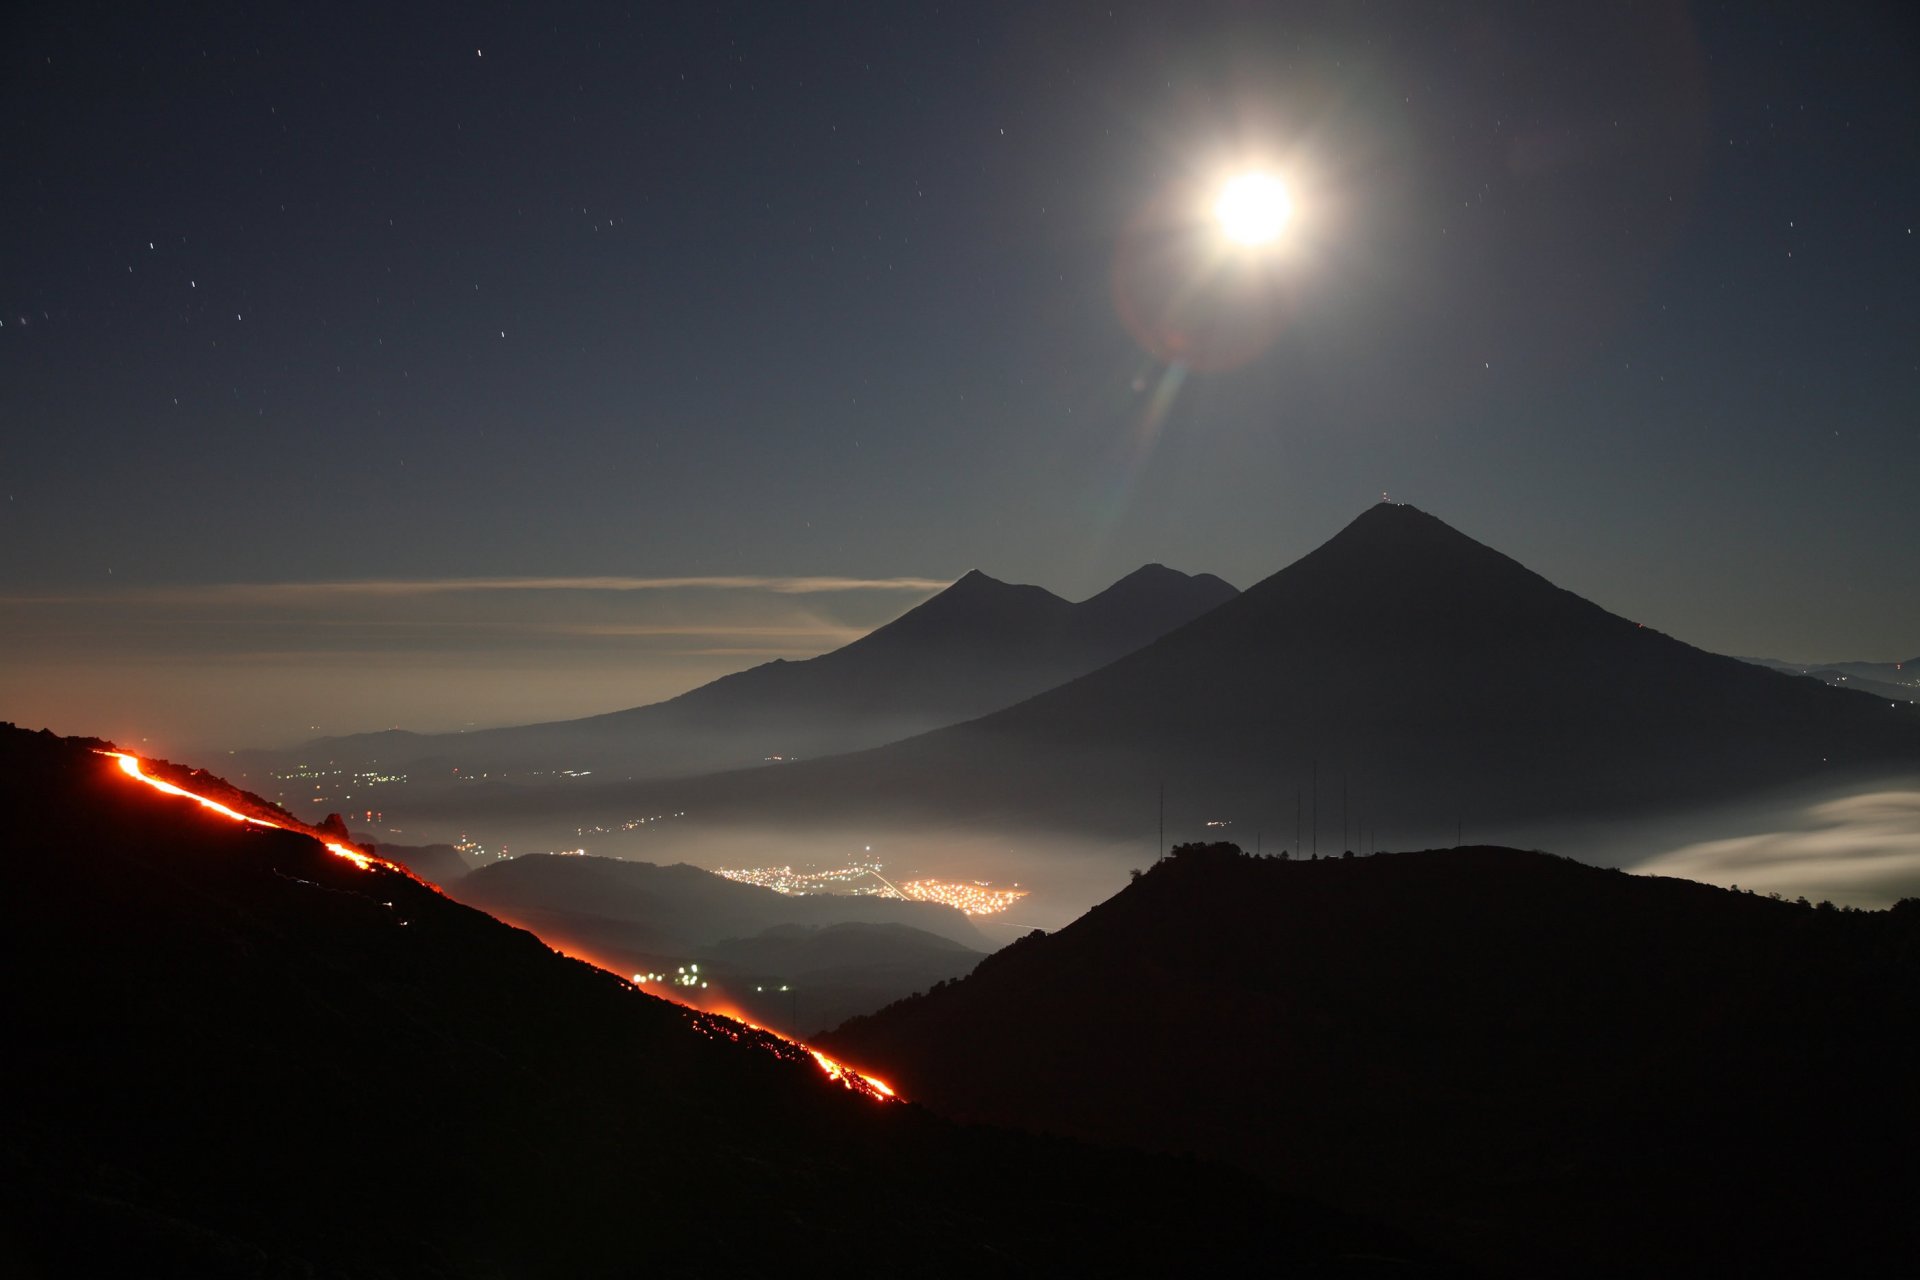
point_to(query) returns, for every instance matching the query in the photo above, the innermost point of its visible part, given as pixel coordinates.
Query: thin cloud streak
(841, 635)
(732, 652)
(264, 661)
(294, 592)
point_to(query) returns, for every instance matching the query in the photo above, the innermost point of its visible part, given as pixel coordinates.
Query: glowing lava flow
(706, 1025)
(130, 765)
(837, 1071)
(725, 1019)
(847, 1075)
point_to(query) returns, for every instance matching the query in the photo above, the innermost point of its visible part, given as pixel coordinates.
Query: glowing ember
(709, 1023)
(847, 1075)
(352, 855)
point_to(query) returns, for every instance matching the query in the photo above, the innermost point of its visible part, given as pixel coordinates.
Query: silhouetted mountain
(978, 646)
(1544, 1067)
(234, 1053)
(1432, 675)
(1897, 681)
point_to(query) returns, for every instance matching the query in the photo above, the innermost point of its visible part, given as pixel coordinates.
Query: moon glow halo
(1253, 208)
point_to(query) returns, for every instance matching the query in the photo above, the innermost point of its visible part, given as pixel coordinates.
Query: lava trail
(707, 1022)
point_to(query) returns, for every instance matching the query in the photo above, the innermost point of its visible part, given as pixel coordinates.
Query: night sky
(774, 294)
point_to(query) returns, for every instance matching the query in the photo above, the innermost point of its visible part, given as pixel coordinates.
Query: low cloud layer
(1862, 849)
(245, 664)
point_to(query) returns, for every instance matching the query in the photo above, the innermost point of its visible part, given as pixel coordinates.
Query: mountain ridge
(1439, 675)
(1545, 1067)
(978, 645)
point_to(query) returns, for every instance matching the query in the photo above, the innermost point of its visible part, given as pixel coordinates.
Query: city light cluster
(858, 878)
(478, 852)
(331, 786)
(974, 897)
(631, 824)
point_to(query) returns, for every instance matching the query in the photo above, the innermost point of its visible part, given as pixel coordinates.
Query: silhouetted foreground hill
(231, 1053)
(1437, 676)
(1544, 1067)
(979, 645)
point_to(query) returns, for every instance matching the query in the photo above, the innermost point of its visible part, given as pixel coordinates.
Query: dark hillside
(236, 1054)
(1549, 1068)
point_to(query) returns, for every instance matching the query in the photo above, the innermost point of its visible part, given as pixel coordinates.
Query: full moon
(1252, 208)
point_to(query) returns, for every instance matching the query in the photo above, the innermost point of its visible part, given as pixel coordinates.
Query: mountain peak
(1154, 587)
(974, 587)
(975, 605)
(1397, 518)
(1150, 576)
(974, 580)
(1393, 552)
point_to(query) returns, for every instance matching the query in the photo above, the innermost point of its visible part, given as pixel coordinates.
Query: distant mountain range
(237, 1054)
(1538, 1066)
(977, 646)
(1896, 681)
(1424, 674)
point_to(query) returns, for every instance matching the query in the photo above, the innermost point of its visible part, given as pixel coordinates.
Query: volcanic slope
(979, 645)
(1430, 675)
(1542, 1067)
(235, 1053)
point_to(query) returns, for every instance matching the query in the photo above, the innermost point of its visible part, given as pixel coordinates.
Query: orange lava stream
(846, 1075)
(835, 1070)
(838, 1071)
(722, 1017)
(130, 765)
